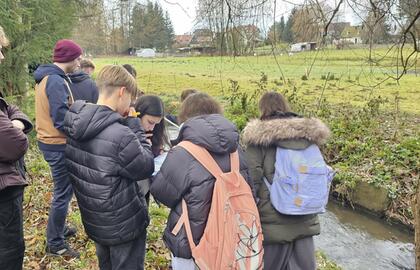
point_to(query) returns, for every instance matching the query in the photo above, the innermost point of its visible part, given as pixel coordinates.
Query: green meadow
(352, 79)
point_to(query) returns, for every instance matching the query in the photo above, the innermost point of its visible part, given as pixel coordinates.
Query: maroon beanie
(66, 50)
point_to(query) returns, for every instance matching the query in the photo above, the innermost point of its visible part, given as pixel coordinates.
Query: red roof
(183, 40)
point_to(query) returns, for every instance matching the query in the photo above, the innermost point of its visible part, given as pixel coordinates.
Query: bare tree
(91, 28)
(308, 21)
(232, 22)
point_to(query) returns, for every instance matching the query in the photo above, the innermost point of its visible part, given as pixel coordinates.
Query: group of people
(100, 139)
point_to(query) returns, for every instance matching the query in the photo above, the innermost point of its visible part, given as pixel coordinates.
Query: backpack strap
(205, 159)
(267, 183)
(71, 98)
(208, 162)
(202, 156)
(183, 220)
(234, 162)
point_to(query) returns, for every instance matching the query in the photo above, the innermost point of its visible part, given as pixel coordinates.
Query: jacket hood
(213, 132)
(46, 70)
(78, 76)
(85, 120)
(273, 132)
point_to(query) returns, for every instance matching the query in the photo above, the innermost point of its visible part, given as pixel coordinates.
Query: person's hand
(132, 112)
(18, 124)
(149, 137)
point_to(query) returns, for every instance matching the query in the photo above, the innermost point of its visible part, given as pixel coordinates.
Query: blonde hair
(112, 77)
(3, 39)
(198, 104)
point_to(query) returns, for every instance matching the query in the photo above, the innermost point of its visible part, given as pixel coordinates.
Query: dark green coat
(261, 139)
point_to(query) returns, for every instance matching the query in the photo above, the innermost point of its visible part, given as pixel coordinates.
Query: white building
(303, 46)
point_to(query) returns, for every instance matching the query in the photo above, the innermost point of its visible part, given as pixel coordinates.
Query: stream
(356, 241)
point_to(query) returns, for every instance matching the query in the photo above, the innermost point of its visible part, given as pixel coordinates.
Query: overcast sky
(183, 12)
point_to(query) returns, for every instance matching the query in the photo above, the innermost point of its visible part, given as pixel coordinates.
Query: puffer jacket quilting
(106, 154)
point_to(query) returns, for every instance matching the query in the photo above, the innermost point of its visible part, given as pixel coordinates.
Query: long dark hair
(153, 105)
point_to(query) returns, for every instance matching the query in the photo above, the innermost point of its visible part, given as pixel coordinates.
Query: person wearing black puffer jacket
(106, 154)
(183, 177)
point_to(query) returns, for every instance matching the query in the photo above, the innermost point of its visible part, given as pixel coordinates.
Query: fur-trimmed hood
(271, 132)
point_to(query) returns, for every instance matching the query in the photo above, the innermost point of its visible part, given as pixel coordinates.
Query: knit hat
(66, 50)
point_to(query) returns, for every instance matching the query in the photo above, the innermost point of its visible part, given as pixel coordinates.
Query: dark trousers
(62, 195)
(12, 245)
(126, 256)
(298, 255)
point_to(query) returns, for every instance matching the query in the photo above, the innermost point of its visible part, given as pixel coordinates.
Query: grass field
(352, 78)
(354, 145)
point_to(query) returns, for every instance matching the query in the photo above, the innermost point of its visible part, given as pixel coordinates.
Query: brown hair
(272, 103)
(187, 92)
(86, 63)
(3, 39)
(112, 77)
(198, 104)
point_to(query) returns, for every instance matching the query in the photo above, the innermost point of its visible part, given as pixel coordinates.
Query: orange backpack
(233, 237)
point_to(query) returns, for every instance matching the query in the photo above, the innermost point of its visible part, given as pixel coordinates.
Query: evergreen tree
(137, 25)
(287, 35)
(169, 31)
(33, 28)
(151, 27)
(275, 33)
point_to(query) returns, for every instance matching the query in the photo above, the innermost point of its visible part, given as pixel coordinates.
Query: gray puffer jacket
(183, 177)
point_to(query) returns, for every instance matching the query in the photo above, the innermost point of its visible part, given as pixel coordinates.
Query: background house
(351, 35)
(303, 46)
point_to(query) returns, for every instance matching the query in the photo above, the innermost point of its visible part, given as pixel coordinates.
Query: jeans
(12, 245)
(182, 264)
(62, 195)
(129, 255)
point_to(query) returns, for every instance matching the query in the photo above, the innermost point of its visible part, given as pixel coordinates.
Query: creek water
(356, 241)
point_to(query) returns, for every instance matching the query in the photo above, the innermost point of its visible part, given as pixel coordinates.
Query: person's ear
(122, 91)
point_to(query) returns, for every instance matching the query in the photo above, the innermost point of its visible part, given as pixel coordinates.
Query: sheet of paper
(159, 161)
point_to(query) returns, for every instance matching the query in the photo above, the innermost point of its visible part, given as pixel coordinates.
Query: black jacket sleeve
(172, 181)
(135, 154)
